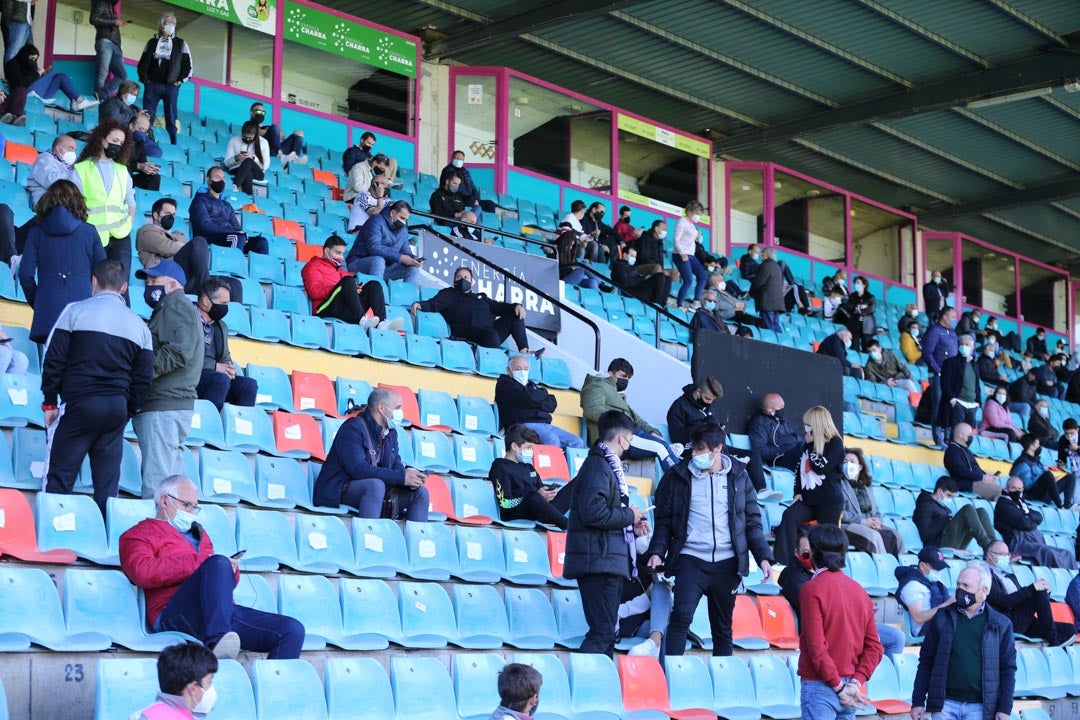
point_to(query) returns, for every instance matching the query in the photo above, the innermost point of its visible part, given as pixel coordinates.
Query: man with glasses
(189, 588)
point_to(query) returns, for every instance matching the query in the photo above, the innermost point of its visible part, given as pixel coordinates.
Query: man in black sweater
(962, 466)
(521, 401)
(445, 201)
(836, 345)
(519, 493)
(1028, 607)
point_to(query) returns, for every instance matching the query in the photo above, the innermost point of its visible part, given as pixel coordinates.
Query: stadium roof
(964, 111)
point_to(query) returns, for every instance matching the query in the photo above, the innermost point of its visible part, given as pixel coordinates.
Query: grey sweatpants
(161, 440)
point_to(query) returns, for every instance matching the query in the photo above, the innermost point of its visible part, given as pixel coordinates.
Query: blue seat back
(378, 547)
(422, 688)
(357, 687)
(287, 689)
(473, 688)
(124, 687)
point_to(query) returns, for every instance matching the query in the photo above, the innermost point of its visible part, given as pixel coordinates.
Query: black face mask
(217, 311)
(621, 383)
(377, 171)
(463, 284)
(964, 599)
(258, 114)
(153, 294)
(167, 222)
(1015, 495)
(971, 439)
(112, 150)
(248, 140)
(397, 224)
(778, 414)
(217, 186)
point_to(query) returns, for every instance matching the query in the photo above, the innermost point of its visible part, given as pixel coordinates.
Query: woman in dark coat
(859, 307)
(63, 250)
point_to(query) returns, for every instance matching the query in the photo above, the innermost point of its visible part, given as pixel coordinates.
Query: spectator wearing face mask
(625, 230)
(1028, 607)
(247, 157)
(772, 437)
(939, 526)
(445, 201)
(24, 77)
(158, 240)
(520, 401)
(369, 203)
(1040, 426)
(382, 247)
(363, 171)
(120, 108)
(909, 318)
(165, 65)
(706, 317)
(1018, 522)
(920, 590)
(145, 173)
(964, 469)
(335, 293)
(750, 263)
(220, 382)
(885, 367)
(1046, 377)
(58, 163)
(837, 346)
(863, 521)
(650, 248)
(832, 306)
(288, 149)
(860, 313)
(909, 345)
(996, 420)
(467, 190)
(690, 268)
(1069, 448)
(1036, 345)
(1022, 396)
(961, 391)
(519, 492)
(213, 217)
(935, 294)
(1039, 482)
(592, 223)
(629, 275)
(987, 366)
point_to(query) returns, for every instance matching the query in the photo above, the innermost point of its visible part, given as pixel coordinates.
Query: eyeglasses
(191, 507)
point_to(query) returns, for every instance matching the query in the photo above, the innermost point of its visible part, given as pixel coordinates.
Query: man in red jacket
(838, 646)
(335, 293)
(189, 588)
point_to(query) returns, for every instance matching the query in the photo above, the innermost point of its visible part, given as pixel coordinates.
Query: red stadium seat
(298, 431)
(18, 538)
(313, 393)
(550, 463)
(290, 229)
(778, 622)
(644, 687)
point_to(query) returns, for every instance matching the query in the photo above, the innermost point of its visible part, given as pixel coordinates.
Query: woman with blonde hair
(862, 520)
(818, 492)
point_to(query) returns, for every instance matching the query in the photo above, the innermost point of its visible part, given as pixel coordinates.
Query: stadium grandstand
(872, 206)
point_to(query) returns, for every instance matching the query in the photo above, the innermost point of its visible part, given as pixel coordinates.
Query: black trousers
(94, 426)
(753, 465)
(797, 514)
(600, 595)
(718, 582)
(348, 305)
(1059, 492)
(534, 507)
(654, 289)
(493, 337)
(119, 249)
(244, 173)
(1034, 618)
(7, 233)
(252, 243)
(194, 260)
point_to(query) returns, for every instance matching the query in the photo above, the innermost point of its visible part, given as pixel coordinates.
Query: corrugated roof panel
(973, 24)
(1005, 237)
(1040, 122)
(404, 16)
(759, 44)
(871, 36)
(979, 145)
(1046, 220)
(497, 9)
(904, 160)
(1062, 16)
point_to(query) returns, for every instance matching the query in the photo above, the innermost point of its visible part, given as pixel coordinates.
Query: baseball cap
(933, 557)
(167, 268)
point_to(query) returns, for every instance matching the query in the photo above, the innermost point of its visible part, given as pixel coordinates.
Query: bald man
(772, 437)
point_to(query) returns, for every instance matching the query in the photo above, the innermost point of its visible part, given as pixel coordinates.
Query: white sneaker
(394, 324)
(645, 647)
(82, 103)
(368, 322)
(228, 646)
(766, 495)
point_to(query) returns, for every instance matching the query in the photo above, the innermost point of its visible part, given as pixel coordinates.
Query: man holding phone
(189, 588)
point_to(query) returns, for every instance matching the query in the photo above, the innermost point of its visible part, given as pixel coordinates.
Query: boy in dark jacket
(518, 491)
(364, 463)
(600, 536)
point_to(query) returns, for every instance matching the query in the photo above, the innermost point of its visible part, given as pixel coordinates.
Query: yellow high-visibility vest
(106, 211)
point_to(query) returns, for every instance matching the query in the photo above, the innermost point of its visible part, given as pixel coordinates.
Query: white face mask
(169, 29)
(1001, 398)
(641, 544)
(808, 430)
(69, 157)
(851, 470)
(847, 343)
(662, 234)
(458, 163)
(398, 416)
(129, 99)
(631, 259)
(1003, 562)
(696, 217)
(522, 376)
(207, 703)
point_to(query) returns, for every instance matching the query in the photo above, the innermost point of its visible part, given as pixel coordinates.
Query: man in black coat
(521, 401)
(935, 294)
(961, 390)
(962, 466)
(652, 287)
(938, 526)
(1018, 522)
(1026, 606)
(600, 537)
(708, 552)
(475, 317)
(650, 248)
(767, 289)
(772, 437)
(445, 201)
(836, 345)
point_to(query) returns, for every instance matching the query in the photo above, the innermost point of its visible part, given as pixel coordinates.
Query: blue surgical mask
(398, 416)
(710, 304)
(182, 520)
(965, 350)
(525, 456)
(935, 576)
(457, 163)
(703, 461)
(875, 355)
(129, 99)
(1044, 411)
(522, 376)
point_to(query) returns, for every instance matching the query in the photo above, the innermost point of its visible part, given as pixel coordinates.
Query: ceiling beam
(536, 17)
(1034, 195)
(1033, 73)
(1018, 14)
(925, 33)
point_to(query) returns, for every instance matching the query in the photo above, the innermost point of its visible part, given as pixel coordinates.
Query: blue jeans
(203, 607)
(152, 93)
(772, 321)
(691, 268)
(48, 84)
(378, 267)
(18, 34)
(892, 639)
(819, 702)
(661, 600)
(643, 445)
(954, 710)
(110, 59)
(367, 497)
(935, 403)
(219, 388)
(554, 435)
(579, 277)
(1022, 409)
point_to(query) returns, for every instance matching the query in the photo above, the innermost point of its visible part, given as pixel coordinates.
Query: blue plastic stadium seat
(309, 331)
(105, 601)
(313, 600)
(357, 687)
(30, 613)
(422, 688)
(772, 684)
(432, 553)
(248, 429)
(269, 325)
(569, 618)
(688, 682)
(491, 362)
(124, 687)
(884, 691)
(422, 350)
(473, 455)
(733, 689)
(476, 416)
(530, 617)
(432, 451)
(1036, 674)
(555, 372)
(456, 356)
(122, 514)
(472, 683)
(594, 685)
(228, 261)
(378, 548)
(437, 409)
(861, 568)
(239, 319)
(268, 538)
(206, 428)
(20, 401)
(286, 688)
(481, 619)
(526, 558)
(474, 497)
(388, 345)
(574, 458)
(426, 611)
(480, 557)
(323, 540)
(349, 339)
(275, 389)
(72, 522)
(351, 393)
(227, 477)
(370, 608)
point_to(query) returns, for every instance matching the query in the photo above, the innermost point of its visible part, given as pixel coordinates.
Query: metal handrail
(456, 221)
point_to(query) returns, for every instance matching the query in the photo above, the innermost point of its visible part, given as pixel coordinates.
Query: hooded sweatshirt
(708, 534)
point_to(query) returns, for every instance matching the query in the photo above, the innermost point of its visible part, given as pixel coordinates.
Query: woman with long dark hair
(62, 249)
(248, 157)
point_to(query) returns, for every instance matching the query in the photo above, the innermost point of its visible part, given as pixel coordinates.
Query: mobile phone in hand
(238, 554)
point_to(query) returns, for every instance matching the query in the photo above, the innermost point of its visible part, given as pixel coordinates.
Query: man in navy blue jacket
(213, 218)
(382, 247)
(364, 464)
(939, 344)
(772, 437)
(837, 346)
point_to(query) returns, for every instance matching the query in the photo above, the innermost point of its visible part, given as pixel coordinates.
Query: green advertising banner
(255, 14)
(350, 39)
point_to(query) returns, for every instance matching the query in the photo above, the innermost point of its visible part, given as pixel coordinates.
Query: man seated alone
(157, 241)
(220, 382)
(189, 589)
(475, 317)
(336, 294)
(445, 201)
(772, 437)
(521, 401)
(601, 393)
(364, 465)
(1027, 606)
(836, 345)
(652, 287)
(964, 469)
(519, 493)
(382, 247)
(213, 218)
(920, 590)
(938, 526)
(1018, 522)
(885, 367)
